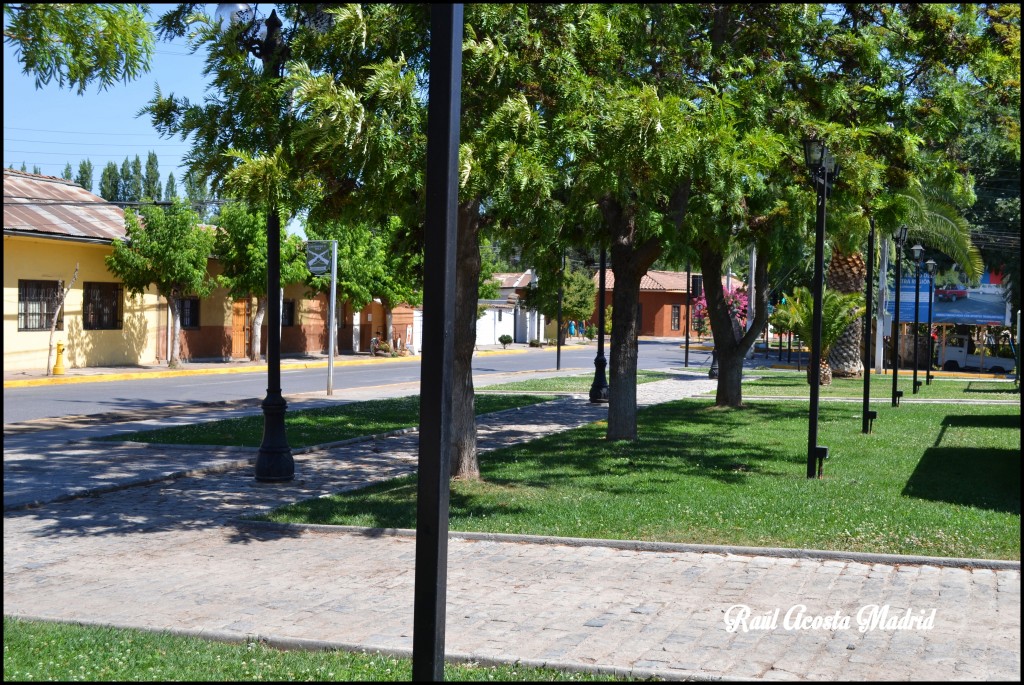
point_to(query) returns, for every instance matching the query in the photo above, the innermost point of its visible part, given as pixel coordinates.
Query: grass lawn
(317, 426)
(792, 383)
(51, 651)
(574, 384)
(937, 480)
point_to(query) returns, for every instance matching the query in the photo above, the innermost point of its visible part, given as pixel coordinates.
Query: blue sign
(907, 299)
(951, 304)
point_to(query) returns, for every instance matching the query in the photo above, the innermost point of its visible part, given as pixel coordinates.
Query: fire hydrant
(58, 366)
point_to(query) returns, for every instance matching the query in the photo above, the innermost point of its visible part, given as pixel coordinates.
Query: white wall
(489, 328)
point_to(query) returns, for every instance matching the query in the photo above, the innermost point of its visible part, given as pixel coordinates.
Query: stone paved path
(169, 556)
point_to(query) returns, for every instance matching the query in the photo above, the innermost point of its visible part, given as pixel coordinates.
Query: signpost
(321, 257)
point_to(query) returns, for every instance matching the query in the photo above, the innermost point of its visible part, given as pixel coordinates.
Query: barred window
(189, 312)
(675, 317)
(102, 309)
(288, 313)
(36, 302)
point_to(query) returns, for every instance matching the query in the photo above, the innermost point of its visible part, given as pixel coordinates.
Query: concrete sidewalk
(173, 555)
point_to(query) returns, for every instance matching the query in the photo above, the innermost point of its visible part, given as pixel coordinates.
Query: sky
(51, 126)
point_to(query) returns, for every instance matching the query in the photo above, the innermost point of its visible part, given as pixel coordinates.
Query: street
(52, 401)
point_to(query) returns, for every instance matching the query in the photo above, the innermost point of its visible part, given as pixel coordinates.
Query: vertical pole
(274, 461)
(332, 334)
(436, 367)
(814, 366)
(558, 329)
(689, 304)
(896, 327)
(931, 341)
(917, 324)
(866, 423)
(599, 389)
(883, 301)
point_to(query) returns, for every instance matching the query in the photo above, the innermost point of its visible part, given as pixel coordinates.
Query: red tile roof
(668, 281)
(50, 206)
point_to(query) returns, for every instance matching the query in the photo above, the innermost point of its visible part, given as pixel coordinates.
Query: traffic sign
(318, 256)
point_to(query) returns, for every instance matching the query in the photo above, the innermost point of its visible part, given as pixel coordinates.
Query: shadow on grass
(981, 478)
(992, 388)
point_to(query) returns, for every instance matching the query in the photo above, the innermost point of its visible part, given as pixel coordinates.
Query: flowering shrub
(737, 301)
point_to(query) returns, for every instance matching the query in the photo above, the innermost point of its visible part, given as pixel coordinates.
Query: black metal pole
(931, 340)
(689, 305)
(814, 452)
(558, 331)
(917, 324)
(896, 327)
(599, 389)
(274, 461)
(868, 415)
(436, 368)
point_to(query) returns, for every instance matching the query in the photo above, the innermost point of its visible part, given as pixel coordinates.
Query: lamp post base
(274, 462)
(599, 389)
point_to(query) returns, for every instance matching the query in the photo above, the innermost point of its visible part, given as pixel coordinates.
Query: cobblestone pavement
(171, 555)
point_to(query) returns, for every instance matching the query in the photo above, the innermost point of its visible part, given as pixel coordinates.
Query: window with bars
(288, 313)
(37, 301)
(189, 312)
(102, 308)
(675, 317)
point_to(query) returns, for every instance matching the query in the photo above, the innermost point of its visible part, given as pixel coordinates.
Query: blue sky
(50, 126)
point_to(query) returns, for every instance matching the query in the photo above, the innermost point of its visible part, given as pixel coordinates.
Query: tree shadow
(992, 388)
(980, 478)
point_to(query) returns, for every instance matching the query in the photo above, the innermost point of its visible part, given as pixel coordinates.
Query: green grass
(574, 384)
(317, 426)
(937, 480)
(50, 651)
(792, 383)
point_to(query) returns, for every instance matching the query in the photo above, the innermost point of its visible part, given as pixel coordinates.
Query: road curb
(645, 546)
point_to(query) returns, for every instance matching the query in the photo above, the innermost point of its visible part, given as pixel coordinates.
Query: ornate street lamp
(824, 169)
(930, 265)
(868, 415)
(917, 250)
(901, 239)
(599, 388)
(274, 462)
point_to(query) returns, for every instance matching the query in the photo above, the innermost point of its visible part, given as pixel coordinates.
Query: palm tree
(838, 310)
(933, 221)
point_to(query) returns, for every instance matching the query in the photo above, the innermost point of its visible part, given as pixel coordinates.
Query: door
(239, 329)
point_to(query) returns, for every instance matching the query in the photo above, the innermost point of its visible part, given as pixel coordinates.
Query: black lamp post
(901, 238)
(868, 415)
(917, 250)
(599, 388)
(930, 265)
(824, 169)
(274, 462)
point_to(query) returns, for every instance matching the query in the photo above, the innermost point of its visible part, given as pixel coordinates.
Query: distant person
(572, 329)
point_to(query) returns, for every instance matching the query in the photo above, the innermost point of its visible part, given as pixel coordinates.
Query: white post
(332, 334)
(883, 296)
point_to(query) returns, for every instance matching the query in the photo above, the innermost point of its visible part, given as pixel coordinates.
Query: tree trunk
(256, 332)
(388, 321)
(58, 304)
(629, 264)
(731, 347)
(173, 360)
(846, 274)
(464, 463)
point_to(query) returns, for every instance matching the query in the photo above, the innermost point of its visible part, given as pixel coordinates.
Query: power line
(60, 142)
(84, 133)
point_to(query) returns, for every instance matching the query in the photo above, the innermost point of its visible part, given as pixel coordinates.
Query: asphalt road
(51, 401)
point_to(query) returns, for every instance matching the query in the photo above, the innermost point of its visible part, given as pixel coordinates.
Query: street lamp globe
(229, 13)
(817, 155)
(930, 266)
(917, 250)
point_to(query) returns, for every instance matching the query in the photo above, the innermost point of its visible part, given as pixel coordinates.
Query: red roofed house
(664, 301)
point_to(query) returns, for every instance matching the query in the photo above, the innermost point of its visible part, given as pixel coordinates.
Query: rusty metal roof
(49, 206)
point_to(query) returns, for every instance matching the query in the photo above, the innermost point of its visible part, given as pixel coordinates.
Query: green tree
(241, 248)
(837, 311)
(578, 295)
(125, 186)
(171, 189)
(68, 173)
(79, 44)
(198, 193)
(110, 183)
(84, 177)
(145, 258)
(151, 178)
(24, 168)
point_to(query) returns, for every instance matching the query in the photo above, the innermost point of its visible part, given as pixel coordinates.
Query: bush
(505, 340)
(536, 343)
(591, 332)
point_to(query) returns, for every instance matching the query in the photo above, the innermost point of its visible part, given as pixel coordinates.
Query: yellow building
(51, 228)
